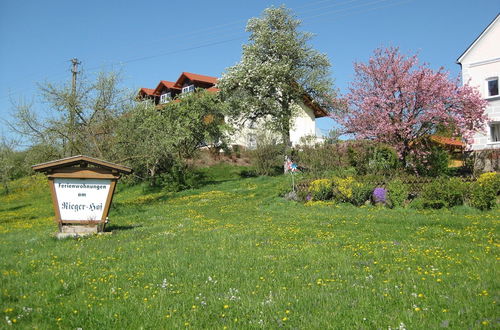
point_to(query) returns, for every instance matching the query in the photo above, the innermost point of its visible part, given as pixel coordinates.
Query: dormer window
(165, 98)
(492, 85)
(188, 89)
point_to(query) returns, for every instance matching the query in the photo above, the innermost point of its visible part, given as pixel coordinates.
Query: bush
(181, 177)
(361, 193)
(398, 193)
(483, 192)
(379, 195)
(321, 158)
(490, 179)
(342, 188)
(383, 160)
(443, 192)
(369, 157)
(320, 190)
(434, 163)
(417, 204)
(268, 156)
(349, 190)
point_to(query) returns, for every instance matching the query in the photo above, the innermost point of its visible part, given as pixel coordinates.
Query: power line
(175, 51)
(233, 39)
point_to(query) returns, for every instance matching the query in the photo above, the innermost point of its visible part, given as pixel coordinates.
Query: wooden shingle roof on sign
(80, 160)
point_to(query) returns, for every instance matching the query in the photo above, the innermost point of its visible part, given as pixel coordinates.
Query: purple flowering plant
(379, 195)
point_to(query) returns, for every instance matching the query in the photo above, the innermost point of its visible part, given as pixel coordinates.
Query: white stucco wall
(303, 124)
(480, 63)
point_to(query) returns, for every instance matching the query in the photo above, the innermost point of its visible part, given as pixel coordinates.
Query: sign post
(82, 190)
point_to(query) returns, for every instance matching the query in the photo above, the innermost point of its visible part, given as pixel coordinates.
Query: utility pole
(74, 71)
(72, 107)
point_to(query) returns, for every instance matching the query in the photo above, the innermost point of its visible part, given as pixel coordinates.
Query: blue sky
(157, 40)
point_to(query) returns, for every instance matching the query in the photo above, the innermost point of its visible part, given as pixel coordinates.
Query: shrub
(321, 158)
(268, 156)
(483, 192)
(398, 193)
(379, 195)
(434, 163)
(320, 190)
(492, 179)
(342, 188)
(369, 157)
(349, 190)
(443, 192)
(361, 193)
(416, 204)
(181, 177)
(383, 160)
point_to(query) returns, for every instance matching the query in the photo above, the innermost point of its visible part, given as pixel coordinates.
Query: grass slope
(233, 254)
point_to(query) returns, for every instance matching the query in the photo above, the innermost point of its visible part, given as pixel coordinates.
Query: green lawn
(233, 254)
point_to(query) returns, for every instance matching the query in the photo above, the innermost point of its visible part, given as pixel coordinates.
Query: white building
(303, 128)
(303, 124)
(481, 68)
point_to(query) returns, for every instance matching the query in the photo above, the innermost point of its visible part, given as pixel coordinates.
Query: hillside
(233, 254)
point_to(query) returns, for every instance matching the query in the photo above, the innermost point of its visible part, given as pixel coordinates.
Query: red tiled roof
(447, 141)
(147, 91)
(213, 89)
(195, 77)
(168, 84)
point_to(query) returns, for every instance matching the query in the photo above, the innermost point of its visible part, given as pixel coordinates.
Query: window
(165, 98)
(188, 89)
(495, 132)
(492, 86)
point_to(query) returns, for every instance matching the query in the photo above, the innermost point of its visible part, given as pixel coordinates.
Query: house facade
(481, 68)
(302, 126)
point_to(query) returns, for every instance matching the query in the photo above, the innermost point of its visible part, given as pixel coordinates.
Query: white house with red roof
(303, 125)
(480, 64)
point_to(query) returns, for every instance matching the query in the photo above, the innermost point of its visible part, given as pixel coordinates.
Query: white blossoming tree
(277, 69)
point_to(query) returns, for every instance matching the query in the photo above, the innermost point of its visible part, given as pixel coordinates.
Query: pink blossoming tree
(395, 100)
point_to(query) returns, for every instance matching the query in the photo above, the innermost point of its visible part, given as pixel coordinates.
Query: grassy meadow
(233, 254)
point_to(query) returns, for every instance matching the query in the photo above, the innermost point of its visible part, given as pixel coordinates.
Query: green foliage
(320, 190)
(417, 204)
(277, 67)
(361, 193)
(350, 190)
(180, 177)
(320, 158)
(366, 157)
(434, 163)
(369, 157)
(158, 142)
(267, 157)
(382, 161)
(443, 192)
(483, 193)
(398, 192)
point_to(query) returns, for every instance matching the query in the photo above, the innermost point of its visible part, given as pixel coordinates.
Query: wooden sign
(82, 190)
